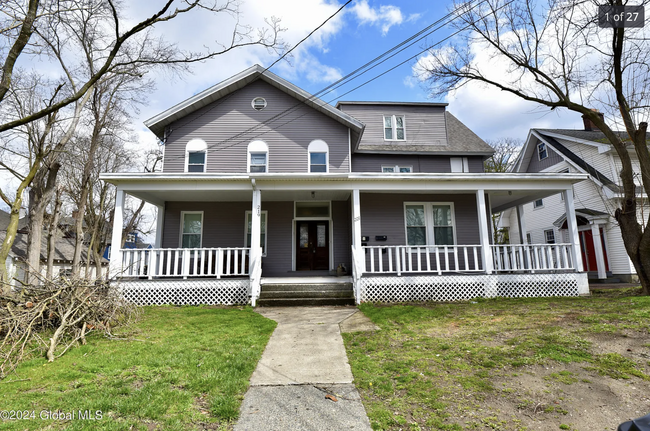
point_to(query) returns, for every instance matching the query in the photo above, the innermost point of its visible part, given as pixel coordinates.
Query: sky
(363, 30)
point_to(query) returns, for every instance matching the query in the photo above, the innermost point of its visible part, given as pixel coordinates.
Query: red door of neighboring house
(589, 252)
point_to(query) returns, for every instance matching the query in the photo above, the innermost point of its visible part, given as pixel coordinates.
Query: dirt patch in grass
(534, 364)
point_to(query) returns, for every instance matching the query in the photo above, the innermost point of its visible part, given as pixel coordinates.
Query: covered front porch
(282, 225)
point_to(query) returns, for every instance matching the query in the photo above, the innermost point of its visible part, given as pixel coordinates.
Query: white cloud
(385, 16)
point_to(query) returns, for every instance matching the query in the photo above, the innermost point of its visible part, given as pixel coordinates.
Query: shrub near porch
(179, 368)
(560, 363)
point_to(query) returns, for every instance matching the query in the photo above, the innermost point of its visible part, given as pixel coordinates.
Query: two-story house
(544, 220)
(262, 183)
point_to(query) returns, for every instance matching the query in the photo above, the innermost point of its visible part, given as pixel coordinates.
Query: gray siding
(224, 226)
(537, 165)
(223, 126)
(383, 214)
(424, 125)
(429, 164)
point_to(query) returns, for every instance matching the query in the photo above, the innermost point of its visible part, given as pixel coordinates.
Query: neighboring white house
(544, 221)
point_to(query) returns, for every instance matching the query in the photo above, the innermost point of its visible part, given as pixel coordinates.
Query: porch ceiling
(503, 199)
(160, 196)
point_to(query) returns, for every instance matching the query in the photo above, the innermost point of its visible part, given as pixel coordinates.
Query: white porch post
(160, 220)
(484, 233)
(598, 247)
(356, 219)
(115, 264)
(358, 256)
(255, 257)
(572, 226)
(521, 222)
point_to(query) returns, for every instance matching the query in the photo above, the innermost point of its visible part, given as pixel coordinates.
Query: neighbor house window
(394, 128)
(529, 239)
(401, 169)
(459, 164)
(549, 236)
(195, 155)
(258, 153)
(191, 229)
(429, 223)
(249, 222)
(538, 203)
(542, 152)
(318, 152)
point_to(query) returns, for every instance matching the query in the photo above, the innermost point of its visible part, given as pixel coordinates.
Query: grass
(180, 368)
(445, 366)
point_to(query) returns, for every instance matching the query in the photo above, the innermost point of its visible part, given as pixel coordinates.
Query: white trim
(257, 147)
(393, 126)
(397, 169)
(318, 146)
(196, 145)
(180, 238)
(429, 221)
(265, 213)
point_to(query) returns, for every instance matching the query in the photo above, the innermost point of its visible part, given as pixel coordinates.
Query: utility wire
(348, 78)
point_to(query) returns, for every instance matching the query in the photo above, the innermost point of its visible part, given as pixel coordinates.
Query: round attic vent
(258, 103)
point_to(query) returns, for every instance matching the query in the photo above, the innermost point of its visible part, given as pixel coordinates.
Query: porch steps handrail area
(533, 257)
(398, 259)
(185, 262)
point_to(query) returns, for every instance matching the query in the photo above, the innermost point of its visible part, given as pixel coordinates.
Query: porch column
(255, 256)
(598, 247)
(160, 220)
(572, 227)
(484, 232)
(521, 222)
(115, 264)
(356, 219)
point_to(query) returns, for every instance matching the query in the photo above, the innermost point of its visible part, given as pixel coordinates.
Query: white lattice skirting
(187, 292)
(463, 287)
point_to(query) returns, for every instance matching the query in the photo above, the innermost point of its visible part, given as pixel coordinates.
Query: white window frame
(257, 147)
(396, 169)
(318, 146)
(552, 232)
(393, 124)
(536, 206)
(266, 235)
(540, 146)
(196, 146)
(428, 219)
(459, 164)
(180, 239)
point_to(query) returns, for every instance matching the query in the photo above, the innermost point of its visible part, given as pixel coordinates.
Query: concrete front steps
(304, 292)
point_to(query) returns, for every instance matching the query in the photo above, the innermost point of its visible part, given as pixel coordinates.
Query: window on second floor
(542, 152)
(196, 151)
(258, 153)
(459, 164)
(394, 129)
(318, 151)
(538, 203)
(396, 168)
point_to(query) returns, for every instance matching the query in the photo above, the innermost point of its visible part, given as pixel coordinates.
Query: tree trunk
(51, 235)
(40, 195)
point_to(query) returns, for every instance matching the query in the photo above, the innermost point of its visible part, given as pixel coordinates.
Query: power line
(348, 78)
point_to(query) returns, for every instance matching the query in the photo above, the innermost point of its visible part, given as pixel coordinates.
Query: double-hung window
(459, 164)
(258, 162)
(196, 161)
(401, 169)
(429, 223)
(258, 157)
(542, 152)
(394, 129)
(249, 222)
(549, 236)
(191, 229)
(317, 162)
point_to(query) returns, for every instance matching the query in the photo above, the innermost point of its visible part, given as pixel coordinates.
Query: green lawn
(179, 368)
(459, 366)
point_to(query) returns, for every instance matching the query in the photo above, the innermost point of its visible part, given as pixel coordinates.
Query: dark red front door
(589, 252)
(312, 245)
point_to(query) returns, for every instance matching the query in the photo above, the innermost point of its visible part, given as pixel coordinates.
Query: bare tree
(90, 43)
(505, 154)
(556, 55)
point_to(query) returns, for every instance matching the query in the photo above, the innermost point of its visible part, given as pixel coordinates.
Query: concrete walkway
(304, 381)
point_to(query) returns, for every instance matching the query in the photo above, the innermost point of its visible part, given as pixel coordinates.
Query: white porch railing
(185, 262)
(533, 257)
(424, 258)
